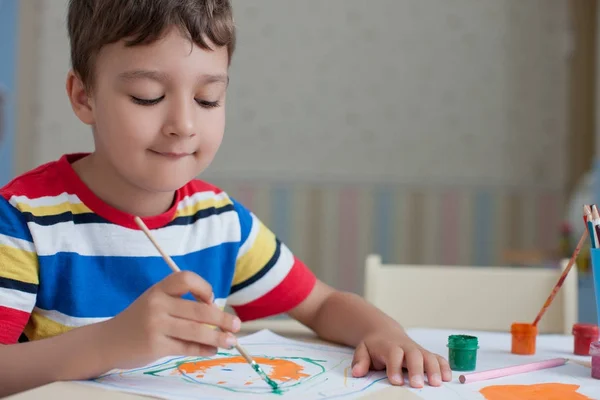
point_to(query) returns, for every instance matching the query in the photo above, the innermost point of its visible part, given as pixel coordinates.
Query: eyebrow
(162, 77)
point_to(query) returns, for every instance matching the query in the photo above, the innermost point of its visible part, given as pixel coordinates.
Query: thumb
(361, 361)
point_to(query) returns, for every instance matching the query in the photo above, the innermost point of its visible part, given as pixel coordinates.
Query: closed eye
(147, 102)
(208, 104)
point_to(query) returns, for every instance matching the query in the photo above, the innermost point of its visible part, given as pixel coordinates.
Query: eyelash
(151, 102)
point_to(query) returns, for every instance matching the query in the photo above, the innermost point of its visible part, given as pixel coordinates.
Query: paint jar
(595, 353)
(583, 336)
(462, 352)
(524, 336)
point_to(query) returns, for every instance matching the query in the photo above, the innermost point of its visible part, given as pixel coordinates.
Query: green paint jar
(462, 352)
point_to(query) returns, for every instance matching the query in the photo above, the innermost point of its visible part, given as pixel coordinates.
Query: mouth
(173, 155)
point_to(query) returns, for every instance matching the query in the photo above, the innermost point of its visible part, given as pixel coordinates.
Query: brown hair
(93, 24)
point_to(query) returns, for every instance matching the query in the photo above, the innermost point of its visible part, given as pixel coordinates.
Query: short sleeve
(18, 273)
(268, 279)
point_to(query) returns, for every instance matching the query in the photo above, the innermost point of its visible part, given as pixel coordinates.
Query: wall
(8, 55)
(451, 115)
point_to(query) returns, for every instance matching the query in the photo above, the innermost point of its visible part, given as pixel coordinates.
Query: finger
(206, 313)
(179, 283)
(195, 349)
(190, 331)
(414, 364)
(394, 366)
(445, 368)
(432, 366)
(361, 361)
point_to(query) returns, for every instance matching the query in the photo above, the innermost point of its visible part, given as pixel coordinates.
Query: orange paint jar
(583, 336)
(524, 336)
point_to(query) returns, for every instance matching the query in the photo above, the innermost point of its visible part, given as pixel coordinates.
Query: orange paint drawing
(540, 391)
(281, 370)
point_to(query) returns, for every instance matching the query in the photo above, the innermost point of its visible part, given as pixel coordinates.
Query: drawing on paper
(302, 370)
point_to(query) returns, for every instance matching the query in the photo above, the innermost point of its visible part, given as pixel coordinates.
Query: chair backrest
(471, 298)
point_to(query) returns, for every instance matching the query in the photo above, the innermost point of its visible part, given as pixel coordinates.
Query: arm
(71, 356)
(342, 317)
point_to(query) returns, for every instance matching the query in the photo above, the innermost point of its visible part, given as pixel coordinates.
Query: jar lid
(464, 342)
(586, 329)
(595, 349)
(523, 328)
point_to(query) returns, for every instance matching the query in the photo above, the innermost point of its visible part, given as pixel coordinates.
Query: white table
(494, 352)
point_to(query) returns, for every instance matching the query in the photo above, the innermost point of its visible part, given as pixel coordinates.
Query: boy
(150, 78)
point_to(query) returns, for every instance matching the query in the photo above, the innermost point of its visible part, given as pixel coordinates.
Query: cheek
(125, 124)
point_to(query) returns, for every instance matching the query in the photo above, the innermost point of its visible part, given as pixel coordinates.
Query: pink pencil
(514, 370)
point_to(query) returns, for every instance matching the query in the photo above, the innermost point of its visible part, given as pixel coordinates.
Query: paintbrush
(175, 268)
(562, 278)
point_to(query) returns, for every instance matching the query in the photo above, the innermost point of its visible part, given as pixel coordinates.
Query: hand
(160, 323)
(394, 350)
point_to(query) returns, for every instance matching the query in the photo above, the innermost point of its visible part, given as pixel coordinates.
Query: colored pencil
(588, 218)
(513, 370)
(596, 223)
(175, 268)
(562, 278)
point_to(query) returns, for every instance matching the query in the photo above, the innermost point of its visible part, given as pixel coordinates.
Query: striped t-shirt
(68, 259)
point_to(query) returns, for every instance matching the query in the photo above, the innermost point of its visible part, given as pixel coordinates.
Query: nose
(180, 121)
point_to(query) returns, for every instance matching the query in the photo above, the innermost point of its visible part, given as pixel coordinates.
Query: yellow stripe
(257, 257)
(41, 327)
(43, 211)
(18, 264)
(202, 205)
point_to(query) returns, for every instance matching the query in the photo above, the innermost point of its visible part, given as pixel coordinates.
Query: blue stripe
(245, 220)
(12, 222)
(384, 216)
(96, 287)
(482, 232)
(280, 218)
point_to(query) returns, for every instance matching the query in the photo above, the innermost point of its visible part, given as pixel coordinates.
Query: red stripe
(294, 288)
(12, 323)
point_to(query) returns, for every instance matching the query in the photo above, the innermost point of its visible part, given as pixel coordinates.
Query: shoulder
(200, 194)
(41, 181)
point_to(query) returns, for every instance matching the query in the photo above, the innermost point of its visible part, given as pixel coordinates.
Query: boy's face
(158, 110)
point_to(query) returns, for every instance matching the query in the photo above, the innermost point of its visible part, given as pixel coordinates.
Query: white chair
(471, 298)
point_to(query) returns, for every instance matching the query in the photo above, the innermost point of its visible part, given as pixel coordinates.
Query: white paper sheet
(302, 370)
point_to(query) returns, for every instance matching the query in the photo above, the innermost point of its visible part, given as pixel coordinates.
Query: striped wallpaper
(333, 227)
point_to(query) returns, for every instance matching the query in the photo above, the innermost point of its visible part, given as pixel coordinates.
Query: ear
(81, 101)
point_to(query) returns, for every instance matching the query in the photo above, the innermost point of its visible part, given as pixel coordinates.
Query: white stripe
(251, 237)
(188, 201)
(113, 240)
(17, 300)
(46, 200)
(16, 243)
(66, 320)
(267, 283)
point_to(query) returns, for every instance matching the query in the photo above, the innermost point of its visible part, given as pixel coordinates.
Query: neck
(112, 189)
